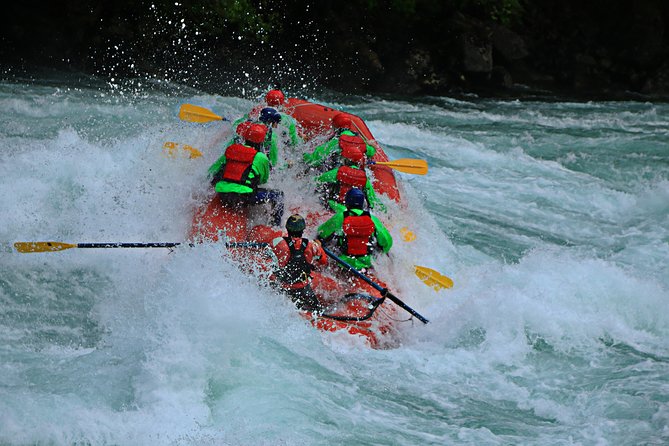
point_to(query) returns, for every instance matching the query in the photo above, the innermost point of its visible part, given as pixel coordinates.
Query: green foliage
(254, 20)
(403, 6)
(506, 12)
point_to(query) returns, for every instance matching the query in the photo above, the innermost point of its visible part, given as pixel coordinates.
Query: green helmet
(295, 224)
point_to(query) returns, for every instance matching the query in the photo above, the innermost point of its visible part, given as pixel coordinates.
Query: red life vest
(296, 273)
(358, 230)
(238, 162)
(348, 177)
(352, 147)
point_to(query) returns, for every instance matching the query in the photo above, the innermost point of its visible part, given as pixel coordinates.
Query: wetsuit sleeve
(290, 123)
(371, 196)
(261, 167)
(321, 152)
(370, 151)
(274, 149)
(216, 167)
(383, 237)
(328, 177)
(328, 229)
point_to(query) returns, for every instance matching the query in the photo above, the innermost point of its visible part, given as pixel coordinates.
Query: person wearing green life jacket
(357, 233)
(335, 183)
(288, 129)
(242, 168)
(324, 156)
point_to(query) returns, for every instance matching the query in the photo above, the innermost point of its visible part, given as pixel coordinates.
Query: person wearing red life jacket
(325, 155)
(358, 234)
(297, 257)
(335, 183)
(269, 118)
(242, 168)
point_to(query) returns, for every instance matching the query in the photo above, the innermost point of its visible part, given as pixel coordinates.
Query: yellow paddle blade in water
(195, 113)
(407, 235)
(407, 165)
(433, 278)
(171, 149)
(42, 246)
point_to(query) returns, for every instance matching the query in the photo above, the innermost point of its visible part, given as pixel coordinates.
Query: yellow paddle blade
(195, 113)
(192, 151)
(42, 246)
(407, 165)
(170, 148)
(433, 278)
(407, 235)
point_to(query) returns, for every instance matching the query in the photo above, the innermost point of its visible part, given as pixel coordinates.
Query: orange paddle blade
(407, 165)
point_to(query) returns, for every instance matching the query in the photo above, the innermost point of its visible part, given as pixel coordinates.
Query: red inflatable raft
(352, 305)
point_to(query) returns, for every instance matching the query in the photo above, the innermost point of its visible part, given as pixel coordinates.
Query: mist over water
(552, 218)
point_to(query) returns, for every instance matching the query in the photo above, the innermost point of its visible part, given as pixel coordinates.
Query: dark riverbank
(600, 49)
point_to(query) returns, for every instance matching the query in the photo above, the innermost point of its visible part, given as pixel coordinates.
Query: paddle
(195, 113)
(406, 165)
(433, 278)
(384, 291)
(170, 147)
(27, 247)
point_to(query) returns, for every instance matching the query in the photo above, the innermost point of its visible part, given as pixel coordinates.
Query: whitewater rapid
(552, 218)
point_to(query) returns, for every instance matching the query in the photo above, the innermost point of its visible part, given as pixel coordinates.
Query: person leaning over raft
(324, 156)
(335, 183)
(277, 100)
(358, 234)
(267, 117)
(297, 257)
(243, 167)
(271, 118)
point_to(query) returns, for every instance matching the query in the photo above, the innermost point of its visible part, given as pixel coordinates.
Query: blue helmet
(269, 115)
(355, 199)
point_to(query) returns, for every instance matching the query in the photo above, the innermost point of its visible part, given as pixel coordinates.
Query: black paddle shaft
(129, 245)
(384, 291)
(165, 245)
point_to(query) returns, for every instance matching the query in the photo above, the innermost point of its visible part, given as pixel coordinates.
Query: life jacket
(238, 162)
(358, 233)
(352, 147)
(348, 178)
(297, 270)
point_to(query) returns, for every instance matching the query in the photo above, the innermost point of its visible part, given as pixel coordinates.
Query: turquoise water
(551, 217)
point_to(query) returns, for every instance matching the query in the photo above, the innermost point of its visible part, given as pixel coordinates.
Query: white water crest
(552, 218)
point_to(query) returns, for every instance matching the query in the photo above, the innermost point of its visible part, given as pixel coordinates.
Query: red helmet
(254, 133)
(275, 98)
(342, 121)
(243, 128)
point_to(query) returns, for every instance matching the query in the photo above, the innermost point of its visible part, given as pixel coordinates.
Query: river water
(551, 217)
